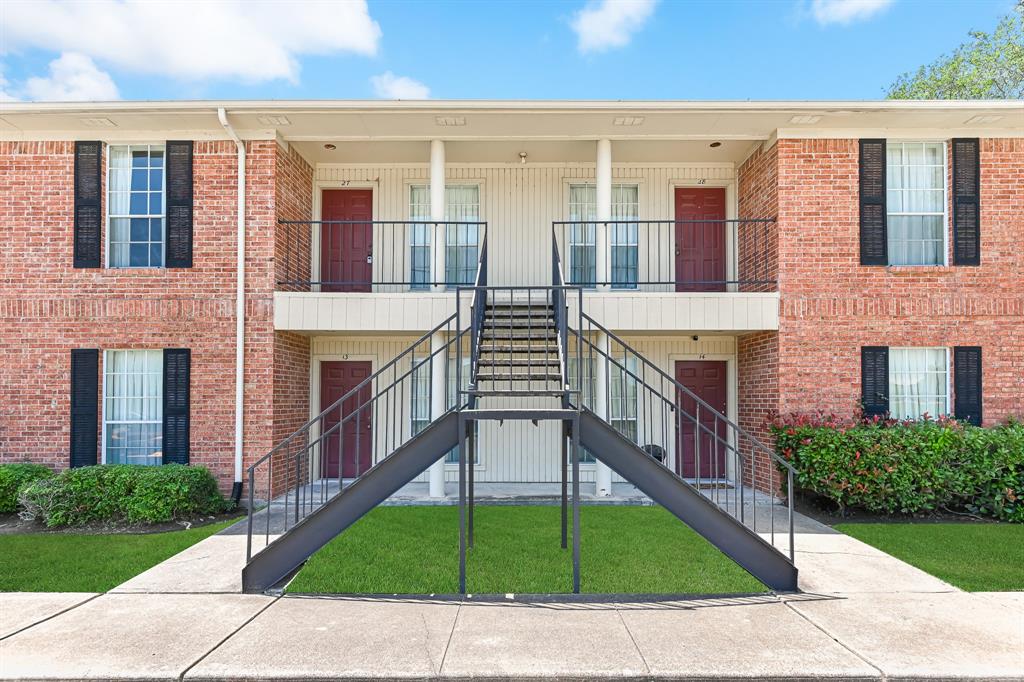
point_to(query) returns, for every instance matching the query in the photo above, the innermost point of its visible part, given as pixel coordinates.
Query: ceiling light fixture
(330, 147)
(522, 157)
(715, 145)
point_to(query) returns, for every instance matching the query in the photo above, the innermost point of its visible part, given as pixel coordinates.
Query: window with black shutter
(88, 204)
(177, 371)
(179, 204)
(874, 380)
(84, 405)
(966, 202)
(873, 238)
(967, 384)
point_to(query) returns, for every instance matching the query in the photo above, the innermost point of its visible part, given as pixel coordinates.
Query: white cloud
(846, 11)
(5, 96)
(73, 78)
(389, 86)
(607, 24)
(253, 41)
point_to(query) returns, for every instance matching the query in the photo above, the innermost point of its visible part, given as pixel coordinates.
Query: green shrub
(122, 493)
(893, 467)
(14, 477)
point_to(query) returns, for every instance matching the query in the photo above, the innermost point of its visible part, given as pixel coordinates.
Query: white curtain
(133, 406)
(918, 382)
(915, 199)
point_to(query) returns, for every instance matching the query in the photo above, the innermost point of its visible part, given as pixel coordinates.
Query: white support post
(603, 474)
(437, 212)
(438, 389)
(603, 179)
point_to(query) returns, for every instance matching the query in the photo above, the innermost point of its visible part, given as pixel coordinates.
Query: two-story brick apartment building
(767, 256)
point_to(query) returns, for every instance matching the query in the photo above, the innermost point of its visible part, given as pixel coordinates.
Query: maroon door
(700, 246)
(346, 249)
(353, 440)
(706, 378)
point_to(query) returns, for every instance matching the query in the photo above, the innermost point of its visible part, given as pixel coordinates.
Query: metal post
(565, 487)
(462, 503)
(576, 504)
(472, 475)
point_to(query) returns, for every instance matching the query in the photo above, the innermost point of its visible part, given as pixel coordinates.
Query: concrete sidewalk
(952, 635)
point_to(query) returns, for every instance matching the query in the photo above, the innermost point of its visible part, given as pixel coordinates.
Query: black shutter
(967, 383)
(966, 202)
(874, 380)
(85, 371)
(873, 238)
(88, 206)
(179, 204)
(177, 372)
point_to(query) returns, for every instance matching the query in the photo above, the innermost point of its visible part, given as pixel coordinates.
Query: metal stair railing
(294, 479)
(694, 441)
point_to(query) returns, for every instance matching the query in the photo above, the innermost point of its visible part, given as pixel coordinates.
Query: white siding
(516, 450)
(519, 203)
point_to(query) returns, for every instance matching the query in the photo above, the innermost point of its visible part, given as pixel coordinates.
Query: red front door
(706, 378)
(700, 246)
(346, 249)
(352, 443)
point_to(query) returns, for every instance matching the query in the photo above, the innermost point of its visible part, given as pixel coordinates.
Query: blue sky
(600, 49)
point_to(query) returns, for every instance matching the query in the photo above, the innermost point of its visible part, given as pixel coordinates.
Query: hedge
(14, 477)
(122, 493)
(905, 467)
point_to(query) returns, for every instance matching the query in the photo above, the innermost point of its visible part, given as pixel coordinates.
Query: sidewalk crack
(448, 644)
(881, 673)
(643, 659)
(231, 634)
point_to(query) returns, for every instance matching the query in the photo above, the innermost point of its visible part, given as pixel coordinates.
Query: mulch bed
(12, 524)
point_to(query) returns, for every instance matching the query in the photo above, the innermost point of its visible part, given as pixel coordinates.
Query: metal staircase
(622, 408)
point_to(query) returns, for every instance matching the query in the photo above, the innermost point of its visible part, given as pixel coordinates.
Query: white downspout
(236, 488)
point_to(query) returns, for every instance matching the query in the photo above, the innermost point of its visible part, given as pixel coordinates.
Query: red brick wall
(831, 305)
(758, 244)
(757, 359)
(47, 307)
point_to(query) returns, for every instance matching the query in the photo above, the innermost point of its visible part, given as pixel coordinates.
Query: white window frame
(110, 215)
(425, 184)
(420, 367)
(622, 182)
(945, 201)
(449, 384)
(103, 397)
(949, 377)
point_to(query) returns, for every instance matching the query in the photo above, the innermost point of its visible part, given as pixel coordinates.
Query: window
(453, 397)
(916, 202)
(918, 382)
(462, 242)
(622, 238)
(587, 389)
(419, 410)
(622, 396)
(135, 206)
(133, 407)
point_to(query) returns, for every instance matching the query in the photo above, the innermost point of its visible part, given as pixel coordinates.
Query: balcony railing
(671, 255)
(376, 255)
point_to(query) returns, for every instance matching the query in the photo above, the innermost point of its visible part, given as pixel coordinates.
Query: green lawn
(977, 557)
(415, 550)
(59, 562)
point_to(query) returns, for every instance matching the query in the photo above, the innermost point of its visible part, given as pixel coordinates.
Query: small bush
(14, 477)
(122, 493)
(892, 467)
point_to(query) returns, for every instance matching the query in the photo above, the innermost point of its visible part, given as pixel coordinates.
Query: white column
(438, 389)
(437, 212)
(603, 474)
(603, 179)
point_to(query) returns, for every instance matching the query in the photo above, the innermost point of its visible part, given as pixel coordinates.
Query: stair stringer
(276, 561)
(686, 503)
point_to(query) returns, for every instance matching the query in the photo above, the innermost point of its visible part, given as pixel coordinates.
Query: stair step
(519, 376)
(498, 393)
(520, 362)
(522, 348)
(513, 335)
